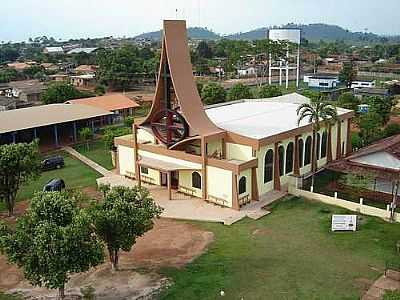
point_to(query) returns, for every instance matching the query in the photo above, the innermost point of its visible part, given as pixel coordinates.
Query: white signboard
(344, 223)
(291, 35)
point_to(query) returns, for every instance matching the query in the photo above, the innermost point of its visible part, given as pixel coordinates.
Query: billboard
(291, 35)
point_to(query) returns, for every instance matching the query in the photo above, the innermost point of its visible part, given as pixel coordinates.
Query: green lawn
(97, 152)
(289, 254)
(75, 174)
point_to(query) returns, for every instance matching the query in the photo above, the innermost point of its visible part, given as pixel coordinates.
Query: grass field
(289, 254)
(75, 174)
(97, 152)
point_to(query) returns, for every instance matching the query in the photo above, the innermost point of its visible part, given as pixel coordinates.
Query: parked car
(52, 163)
(54, 185)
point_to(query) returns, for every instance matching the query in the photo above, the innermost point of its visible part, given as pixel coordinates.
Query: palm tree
(316, 112)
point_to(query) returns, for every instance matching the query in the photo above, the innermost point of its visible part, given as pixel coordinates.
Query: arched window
(324, 144)
(269, 166)
(307, 152)
(281, 151)
(301, 153)
(242, 185)
(196, 180)
(289, 158)
(318, 150)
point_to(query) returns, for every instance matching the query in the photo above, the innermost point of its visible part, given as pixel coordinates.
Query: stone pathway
(103, 171)
(388, 282)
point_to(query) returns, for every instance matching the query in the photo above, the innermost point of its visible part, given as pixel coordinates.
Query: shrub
(391, 129)
(269, 91)
(240, 91)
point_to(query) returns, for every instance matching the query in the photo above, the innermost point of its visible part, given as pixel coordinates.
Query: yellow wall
(185, 180)
(239, 152)
(219, 184)
(169, 159)
(154, 175)
(126, 157)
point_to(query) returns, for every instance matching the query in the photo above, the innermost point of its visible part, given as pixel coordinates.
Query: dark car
(52, 163)
(54, 185)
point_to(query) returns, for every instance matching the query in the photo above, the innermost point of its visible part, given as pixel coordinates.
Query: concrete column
(56, 135)
(280, 73)
(136, 151)
(339, 140)
(92, 125)
(329, 150)
(277, 176)
(34, 133)
(298, 68)
(14, 138)
(169, 183)
(235, 195)
(349, 147)
(287, 76)
(204, 168)
(75, 132)
(270, 70)
(296, 168)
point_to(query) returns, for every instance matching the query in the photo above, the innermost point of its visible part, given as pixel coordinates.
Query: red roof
(110, 102)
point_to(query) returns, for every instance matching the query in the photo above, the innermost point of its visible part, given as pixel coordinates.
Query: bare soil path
(168, 244)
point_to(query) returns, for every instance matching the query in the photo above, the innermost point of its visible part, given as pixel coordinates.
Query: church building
(229, 154)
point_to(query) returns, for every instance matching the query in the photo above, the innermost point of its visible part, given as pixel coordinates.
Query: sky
(64, 19)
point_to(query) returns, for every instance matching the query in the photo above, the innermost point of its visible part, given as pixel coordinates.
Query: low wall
(357, 207)
(378, 74)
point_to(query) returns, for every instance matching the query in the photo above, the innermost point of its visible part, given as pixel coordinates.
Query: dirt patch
(363, 284)
(168, 244)
(19, 210)
(92, 193)
(261, 232)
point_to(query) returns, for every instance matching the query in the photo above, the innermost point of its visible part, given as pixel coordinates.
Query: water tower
(292, 60)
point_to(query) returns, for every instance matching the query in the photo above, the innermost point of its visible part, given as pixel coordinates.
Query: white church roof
(260, 118)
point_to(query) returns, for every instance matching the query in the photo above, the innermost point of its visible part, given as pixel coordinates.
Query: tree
(370, 125)
(213, 93)
(112, 132)
(315, 112)
(348, 101)
(120, 67)
(59, 92)
(239, 91)
(19, 163)
(7, 75)
(85, 135)
(381, 105)
(204, 50)
(391, 129)
(128, 121)
(348, 74)
(269, 91)
(100, 89)
(123, 216)
(52, 241)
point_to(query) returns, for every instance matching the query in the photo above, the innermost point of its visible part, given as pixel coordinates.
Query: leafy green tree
(59, 92)
(213, 93)
(356, 141)
(381, 105)
(32, 71)
(86, 134)
(239, 91)
(348, 101)
(52, 241)
(112, 132)
(123, 216)
(370, 125)
(391, 129)
(269, 91)
(19, 163)
(204, 50)
(316, 112)
(100, 89)
(348, 74)
(128, 121)
(120, 67)
(7, 75)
